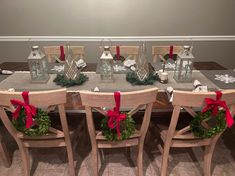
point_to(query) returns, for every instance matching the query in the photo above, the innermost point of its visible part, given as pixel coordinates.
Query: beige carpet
(53, 162)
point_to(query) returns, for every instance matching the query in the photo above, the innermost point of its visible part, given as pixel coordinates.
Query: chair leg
(165, 158)
(208, 156)
(24, 151)
(95, 161)
(71, 160)
(5, 155)
(140, 159)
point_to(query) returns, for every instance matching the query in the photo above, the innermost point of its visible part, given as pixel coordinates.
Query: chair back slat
(163, 50)
(131, 52)
(196, 99)
(128, 99)
(50, 51)
(39, 99)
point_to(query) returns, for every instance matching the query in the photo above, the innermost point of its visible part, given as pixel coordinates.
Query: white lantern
(38, 66)
(106, 65)
(184, 66)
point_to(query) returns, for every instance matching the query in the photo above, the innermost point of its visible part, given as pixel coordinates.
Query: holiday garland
(127, 128)
(63, 81)
(41, 123)
(200, 131)
(132, 78)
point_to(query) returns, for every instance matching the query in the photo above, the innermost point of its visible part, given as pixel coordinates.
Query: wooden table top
(73, 101)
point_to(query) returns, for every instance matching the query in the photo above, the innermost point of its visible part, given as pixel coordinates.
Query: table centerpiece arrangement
(143, 74)
(72, 74)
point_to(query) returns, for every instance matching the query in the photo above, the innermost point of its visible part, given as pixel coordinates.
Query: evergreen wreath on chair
(29, 120)
(117, 126)
(222, 117)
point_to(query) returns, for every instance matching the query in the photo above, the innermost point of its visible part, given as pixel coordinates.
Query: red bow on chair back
(30, 110)
(214, 106)
(114, 115)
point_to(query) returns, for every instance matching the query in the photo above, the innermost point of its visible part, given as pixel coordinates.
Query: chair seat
(181, 140)
(104, 143)
(100, 136)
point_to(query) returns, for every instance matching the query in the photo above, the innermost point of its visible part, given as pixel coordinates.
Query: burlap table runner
(21, 81)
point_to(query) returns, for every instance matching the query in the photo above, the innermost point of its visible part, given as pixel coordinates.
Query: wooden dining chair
(159, 52)
(56, 137)
(183, 137)
(131, 100)
(129, 52)
(53, 53)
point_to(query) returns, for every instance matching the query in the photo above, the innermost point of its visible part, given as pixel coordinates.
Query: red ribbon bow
(114, 115)
(118, 52)
(62, 55)
(214, 106)
(30, 110)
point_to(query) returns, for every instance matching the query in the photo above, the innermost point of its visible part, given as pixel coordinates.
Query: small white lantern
(106, 65)
(38, 66)
(184, 66)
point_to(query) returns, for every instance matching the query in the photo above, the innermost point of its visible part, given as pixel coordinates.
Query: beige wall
(119, 18)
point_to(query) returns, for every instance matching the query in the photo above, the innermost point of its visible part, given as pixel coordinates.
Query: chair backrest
(132, 100)
(43, 99)
(129, 52)
(53, 52)
(190, 100)
(160, 51)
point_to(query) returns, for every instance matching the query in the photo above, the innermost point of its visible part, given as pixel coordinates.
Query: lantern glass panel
(184, 66)
(106, 65)
(38, 66)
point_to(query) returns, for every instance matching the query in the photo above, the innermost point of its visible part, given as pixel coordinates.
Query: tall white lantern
(106, 65)
(184, 66)
(38, 66)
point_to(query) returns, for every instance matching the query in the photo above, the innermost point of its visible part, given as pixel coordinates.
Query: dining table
(20, 81)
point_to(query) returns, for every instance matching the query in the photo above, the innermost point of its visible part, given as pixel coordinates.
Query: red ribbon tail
(29, 121)
(16, 113)
(229, 118)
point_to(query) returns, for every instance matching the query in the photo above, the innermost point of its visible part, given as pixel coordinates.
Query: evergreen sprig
(132, 78)
(64, 82)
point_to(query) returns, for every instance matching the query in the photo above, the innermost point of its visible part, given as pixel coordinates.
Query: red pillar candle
(62, 55)
(171, 52)
(118, 52)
